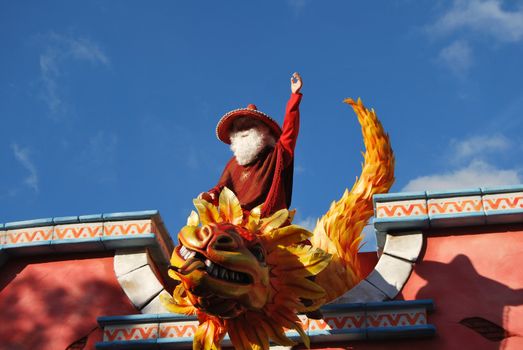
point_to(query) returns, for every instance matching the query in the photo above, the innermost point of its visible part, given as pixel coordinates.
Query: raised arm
(291, 122)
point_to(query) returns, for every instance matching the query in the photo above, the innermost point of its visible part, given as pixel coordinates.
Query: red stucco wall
(51, 303)
(368, 261)
(470, 272)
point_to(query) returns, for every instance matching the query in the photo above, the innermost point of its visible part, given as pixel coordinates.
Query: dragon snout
(195, 237)
(224, 242)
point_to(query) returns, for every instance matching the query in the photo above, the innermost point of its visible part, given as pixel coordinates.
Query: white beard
(247, 144)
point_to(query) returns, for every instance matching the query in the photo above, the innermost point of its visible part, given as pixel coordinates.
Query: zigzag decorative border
(401, 209)
(93, 232)
(349, 321)
(132, 332)
(478, 206)
(455, 205)
(506, 201)
(78, 231)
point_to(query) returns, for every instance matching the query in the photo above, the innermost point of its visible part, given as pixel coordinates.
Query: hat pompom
(253, 107)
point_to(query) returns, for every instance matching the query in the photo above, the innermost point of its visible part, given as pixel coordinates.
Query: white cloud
(479, 146)
(84, 49)
(22, 156)
(476, 174)
(58, 50)
(297, 6)
(457, 57)
(482, 16)
(474, 160)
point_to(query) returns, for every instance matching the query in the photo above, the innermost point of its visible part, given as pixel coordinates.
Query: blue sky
(110, 106)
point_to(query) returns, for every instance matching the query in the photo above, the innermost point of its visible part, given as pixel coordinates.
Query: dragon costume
(248, 275)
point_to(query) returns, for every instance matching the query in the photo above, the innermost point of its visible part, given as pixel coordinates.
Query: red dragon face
(223, 269)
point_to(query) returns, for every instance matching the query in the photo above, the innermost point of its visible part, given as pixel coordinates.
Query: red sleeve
(291, 125)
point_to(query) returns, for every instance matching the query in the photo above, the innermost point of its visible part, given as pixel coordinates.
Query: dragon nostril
(224, 240)
(204, 233)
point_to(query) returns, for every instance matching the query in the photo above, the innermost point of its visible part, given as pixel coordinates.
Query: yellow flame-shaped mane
(338, 232)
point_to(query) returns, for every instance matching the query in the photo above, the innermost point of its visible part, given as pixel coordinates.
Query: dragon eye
(258, 252)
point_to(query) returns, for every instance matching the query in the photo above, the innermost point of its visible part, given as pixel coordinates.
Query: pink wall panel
(51, 303)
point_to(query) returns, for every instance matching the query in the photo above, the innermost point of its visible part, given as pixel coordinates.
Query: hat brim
(223, 128)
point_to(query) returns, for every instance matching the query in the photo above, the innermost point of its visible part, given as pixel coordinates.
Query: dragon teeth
(223, 273)
(186, 253)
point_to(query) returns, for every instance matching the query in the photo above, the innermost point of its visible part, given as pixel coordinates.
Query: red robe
(268, 179)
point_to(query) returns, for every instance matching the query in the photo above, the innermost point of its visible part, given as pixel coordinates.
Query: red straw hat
(223, 128)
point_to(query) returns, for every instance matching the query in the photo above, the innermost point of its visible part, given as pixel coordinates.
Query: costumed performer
(261, 170)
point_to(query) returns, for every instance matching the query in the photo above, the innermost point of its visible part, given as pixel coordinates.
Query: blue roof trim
(127, 319)
(143, 318)
(454, 193)
(90, 244)
(481, 217)
(145, 214)
(343, 307)
(178, 340)
(76, 240)
(188, 340)
(502, 189)
(90, 218)
(409, 222)
(426, 330)
(494, 212)
(78, 245)
(428, 304)
(362, 331)
(401, 196)
(27, 249)
(401, 219)
(28, 223)
(175, 317)
(128, 344)
(65, 220)
(132, 215)
(474, 214)
(136, 241)
(12, 246)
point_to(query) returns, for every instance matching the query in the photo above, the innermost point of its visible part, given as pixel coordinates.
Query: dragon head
(223, 268)
(238, 270)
